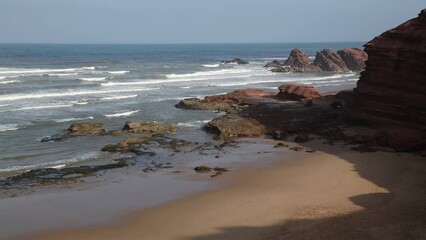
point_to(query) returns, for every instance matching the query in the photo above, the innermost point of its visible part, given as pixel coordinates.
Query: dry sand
(334, 193)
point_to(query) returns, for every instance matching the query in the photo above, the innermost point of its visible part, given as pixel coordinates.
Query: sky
(200, 21)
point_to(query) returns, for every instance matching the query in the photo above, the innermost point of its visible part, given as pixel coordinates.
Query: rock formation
(273, 64)
(392, 89)
(345, 60)
(232, 126)
(354, 58)
(329, 61)
(229, 102)
(297, 58)
(297, 92)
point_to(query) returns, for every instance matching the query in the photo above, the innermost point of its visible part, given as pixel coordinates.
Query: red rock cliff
(391, 92)
(392, 89)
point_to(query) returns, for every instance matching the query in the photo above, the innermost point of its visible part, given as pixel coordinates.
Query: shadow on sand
(399, 214)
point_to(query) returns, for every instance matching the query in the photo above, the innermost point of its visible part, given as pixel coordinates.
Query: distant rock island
(345, 60)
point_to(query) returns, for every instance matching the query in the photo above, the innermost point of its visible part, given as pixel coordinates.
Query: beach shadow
(398, 214)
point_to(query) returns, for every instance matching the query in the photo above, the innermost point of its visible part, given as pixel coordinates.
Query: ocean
(46, 87)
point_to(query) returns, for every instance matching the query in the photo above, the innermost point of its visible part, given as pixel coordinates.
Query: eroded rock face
(329, 61)
(392, 89)
(232, 126)
(354, 58)
(297, 92)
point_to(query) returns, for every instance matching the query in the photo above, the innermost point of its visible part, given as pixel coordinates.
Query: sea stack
(391, 92)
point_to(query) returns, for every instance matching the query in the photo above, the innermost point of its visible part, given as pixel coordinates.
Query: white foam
(38, 107)
(61, 74)
(121, 114)
(119, 97)
(13, 97)
(194, 124)
(2, 77)
(94, 79)
(84, 157)
(8, 127)
(158, 81)
(118, 72)
(72, 119)
(211, 65)
(41, 70)
(211, 73)
(9, 82)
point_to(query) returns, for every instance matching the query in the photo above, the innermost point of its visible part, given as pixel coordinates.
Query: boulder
(329, 61)
(232, 126)
(354, 58)
(297, 92)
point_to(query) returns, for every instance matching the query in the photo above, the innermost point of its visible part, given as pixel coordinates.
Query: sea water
(44, 88)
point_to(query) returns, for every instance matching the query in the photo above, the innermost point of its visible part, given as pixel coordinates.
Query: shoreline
(328, 194)
(106, 197)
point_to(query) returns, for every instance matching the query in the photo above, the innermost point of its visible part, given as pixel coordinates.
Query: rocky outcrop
(238, 61)
(77, 129)
(297, 58)
(329, 61)
(325, 61)
(85, 129)
(273, 64)
(148, 127)
(229, 102)
(297, 92)
(44, 176)
(392, 89)
(354, 58)
(232, 126)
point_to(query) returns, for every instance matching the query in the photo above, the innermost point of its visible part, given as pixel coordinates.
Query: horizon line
(176, 43)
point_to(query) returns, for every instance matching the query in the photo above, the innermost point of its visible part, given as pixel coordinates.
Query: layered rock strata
(391, 92)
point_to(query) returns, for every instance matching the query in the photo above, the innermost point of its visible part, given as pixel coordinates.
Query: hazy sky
(199, 21)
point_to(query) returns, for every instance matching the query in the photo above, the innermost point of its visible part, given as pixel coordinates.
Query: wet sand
(334, 193)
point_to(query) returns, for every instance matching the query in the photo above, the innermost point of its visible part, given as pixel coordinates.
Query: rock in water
(392, 89)
(273, 64)
(354, 58)
(229, 102)
(238, 61)
(297, 93)
(85, 129)
(297, 58)
(329, 61)
(148, 127)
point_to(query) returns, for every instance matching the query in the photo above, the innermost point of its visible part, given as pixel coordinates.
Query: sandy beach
(334, 193)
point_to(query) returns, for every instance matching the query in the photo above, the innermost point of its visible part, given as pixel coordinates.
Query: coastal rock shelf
(392, 89)
(345, 60)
